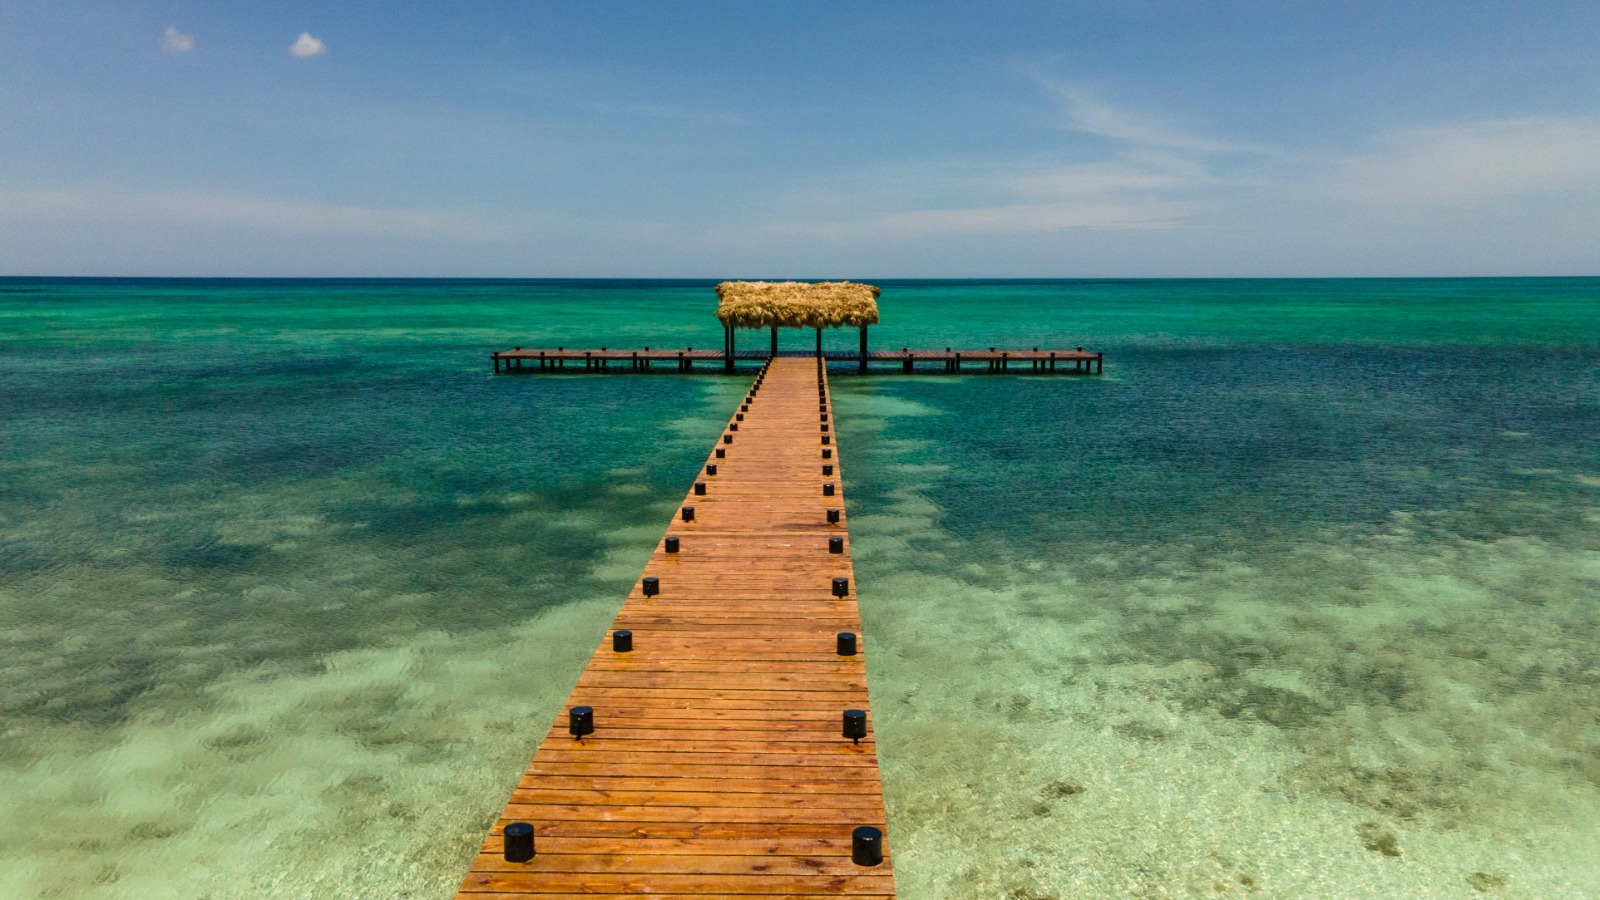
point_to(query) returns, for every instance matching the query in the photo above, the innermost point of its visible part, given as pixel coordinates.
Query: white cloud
(175, 41)
(307, 46)
(233, 210)
(920, 200)
(1132, 174)
(1087, 114)
(1151, 175)
(1474, 161)
(1016, 218)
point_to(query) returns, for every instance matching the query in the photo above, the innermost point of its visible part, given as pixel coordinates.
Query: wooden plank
(717, 766)
(535, 882)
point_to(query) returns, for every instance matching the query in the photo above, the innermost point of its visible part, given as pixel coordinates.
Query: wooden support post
(863, 350)
(819, 343)
(727, 350)
(774, 342)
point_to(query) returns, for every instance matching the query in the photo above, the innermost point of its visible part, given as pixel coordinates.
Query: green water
(1301, 599)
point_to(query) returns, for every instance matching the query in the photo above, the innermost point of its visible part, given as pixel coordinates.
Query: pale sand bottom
(1129, 724)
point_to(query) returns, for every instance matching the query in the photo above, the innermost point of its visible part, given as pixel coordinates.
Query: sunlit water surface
(1301, 599)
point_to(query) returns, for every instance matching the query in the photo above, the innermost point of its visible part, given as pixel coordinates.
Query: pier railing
(1077, 361)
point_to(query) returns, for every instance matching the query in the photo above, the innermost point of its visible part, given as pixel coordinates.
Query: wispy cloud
(175, 41)
(1144, 172)
(1460, 163)
(1082, 111)
(307, 46)
(1141, 191)
(234, 210)
(1018, 218)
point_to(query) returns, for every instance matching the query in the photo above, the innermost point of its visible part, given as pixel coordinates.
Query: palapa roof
(796, 304)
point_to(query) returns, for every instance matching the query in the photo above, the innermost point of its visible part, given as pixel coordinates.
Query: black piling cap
(688, 514)
(744, 407)
(824, 417)
(622, 641)
(833, 517)
(827, 470)
(652, 586)
(519, 842)
(671, 544)
(847, 643)
(855, 724)
(699, 488)
(727, 439)
(866, 846)
(841, 586)
(826, 439)
(711, 468)
(721, 453)
(738, 417)
(827, 453)
(733, 426)
(836, 545)
(580, 721)
(827, 489)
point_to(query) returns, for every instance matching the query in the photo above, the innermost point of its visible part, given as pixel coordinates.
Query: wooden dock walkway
(718, 764)
(1076, 361)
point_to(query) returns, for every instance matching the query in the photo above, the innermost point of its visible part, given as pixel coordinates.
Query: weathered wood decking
(1076, 361)
(717, 766)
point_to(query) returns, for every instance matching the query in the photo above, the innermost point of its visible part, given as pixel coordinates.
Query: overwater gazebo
(795, 304)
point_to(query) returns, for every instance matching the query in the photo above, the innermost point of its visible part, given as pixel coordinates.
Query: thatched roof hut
(796, 304)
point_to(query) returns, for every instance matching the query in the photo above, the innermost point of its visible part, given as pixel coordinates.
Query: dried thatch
(796, 304)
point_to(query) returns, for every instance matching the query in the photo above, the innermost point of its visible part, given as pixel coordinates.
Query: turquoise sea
(1300, 599)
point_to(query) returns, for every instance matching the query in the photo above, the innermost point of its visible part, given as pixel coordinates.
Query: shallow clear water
(1299, 600)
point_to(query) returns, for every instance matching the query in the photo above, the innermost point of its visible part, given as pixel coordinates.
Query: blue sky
(800, 139)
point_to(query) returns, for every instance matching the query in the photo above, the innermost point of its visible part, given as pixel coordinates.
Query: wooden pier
(1077, 361)
(718, 765)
